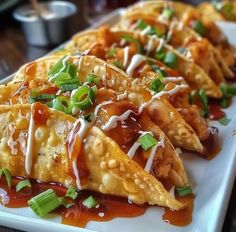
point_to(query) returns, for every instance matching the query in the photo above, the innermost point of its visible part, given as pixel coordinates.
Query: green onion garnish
(158, 70)
(112, 52)
(22, 184)
(224, 121)
(118, 64)
(62, 104)
(65, 78)
(68, 87)
(44, 203)
(83, 97)
(170, 59)
(157, 85)
(228, 90)
(60, 66)
(40, 97)
(72, 193)
(204, 100)
(199, 27)
(65, 203)
(92, 78)
(181, 50)
(90, 202)
(168, 13)
(131, 39)
(183, 191)
(147, 141)
(7, 174)
(224, 102)
(160, 55)
(141, 24)
(191, 97)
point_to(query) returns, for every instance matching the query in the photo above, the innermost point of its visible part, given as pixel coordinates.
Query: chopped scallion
(131, 39)
(41, 96)
(159, 55)
(183, 191)
(141, 24)
(228, 90)
(159, 70)
(7, 174)
(45, 202)
(83, 97)
(68, 87)
(147, 141)
(181, 50)
(90, 202)
(204, 100)
(224, 102)
(157, 85)
(168, 13)
(92, 78)
(22, 184)
(118, 64)
(170, 59)
(224, 121)
(198, 27)
(62, 104)
(112, 52)
(72, 193)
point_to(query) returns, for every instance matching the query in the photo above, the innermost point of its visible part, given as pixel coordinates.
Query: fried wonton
(50, 146)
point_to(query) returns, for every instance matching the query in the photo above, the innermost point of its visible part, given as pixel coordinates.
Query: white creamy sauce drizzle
(71, 142)
(11, 143)
(122, 96)
(133, 149)
(101, 105)
(112, 122)
(151, 44)
(149, 163)
(173, 79)
(161, 44)
(146, 30)
(30, 140)
(126, 56)
(136, 60)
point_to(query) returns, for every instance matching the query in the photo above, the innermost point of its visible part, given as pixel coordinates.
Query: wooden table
(14, 52)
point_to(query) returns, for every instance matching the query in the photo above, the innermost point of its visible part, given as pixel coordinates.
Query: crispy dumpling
(36, 143)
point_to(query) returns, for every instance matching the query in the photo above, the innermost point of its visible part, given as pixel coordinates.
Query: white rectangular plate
(212, 183)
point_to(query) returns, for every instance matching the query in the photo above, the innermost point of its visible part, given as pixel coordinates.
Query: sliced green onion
(112, 52)
(168, 13)
(141, 24)
(183, 191)
(90, 202)
(147, 141)
(89, 117)
(7, 174)
(65, 203)
(68, 87)
(158, 70)
(170, 59)
(155, 31)
(22, 184)
(41, 97)
(72, 193)
(224, 102)
(62, 104)
(64, 78)
(72, 70)
(224, 121)
(83, 97)
(228, 90)
(160, 55)
(60, 66)
(49, 104)
(44, 203)
(92, 78)
(131, 39)
(118, 64)
(157, 85)
(199, 27)
(191, 97)
(181, 50)
(204, 100)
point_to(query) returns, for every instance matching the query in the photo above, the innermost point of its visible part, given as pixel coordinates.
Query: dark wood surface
(14, 52)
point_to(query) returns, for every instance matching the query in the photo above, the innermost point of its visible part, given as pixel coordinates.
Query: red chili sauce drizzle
(215, 112)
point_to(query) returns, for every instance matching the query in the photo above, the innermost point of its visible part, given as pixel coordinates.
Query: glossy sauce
(40, 114)
(30, 70)
(215, 112)
(182, 217)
